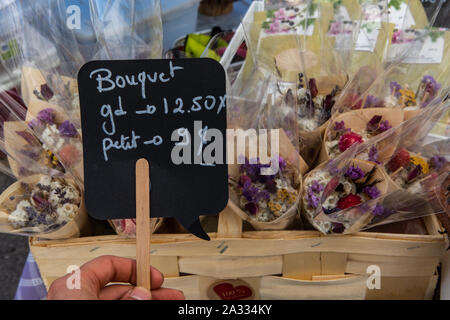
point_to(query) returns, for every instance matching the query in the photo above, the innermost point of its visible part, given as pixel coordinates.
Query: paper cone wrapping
(72, 229)
(130, 231)
(359, 222)
(293, 159)
(357, 121)
(31, 80)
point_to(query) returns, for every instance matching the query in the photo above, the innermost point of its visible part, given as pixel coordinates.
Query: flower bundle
(357, 127)
(266, 197)
(332, 191)
(43, 206)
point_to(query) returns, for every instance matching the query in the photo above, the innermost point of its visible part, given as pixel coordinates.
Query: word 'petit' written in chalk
(106, 81)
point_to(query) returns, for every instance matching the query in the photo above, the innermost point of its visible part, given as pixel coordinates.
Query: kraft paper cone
(73, 229)
(357, 120)
(13, 142)
(365, 219)
(293, 159)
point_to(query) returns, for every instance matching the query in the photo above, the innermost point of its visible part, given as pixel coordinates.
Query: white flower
(23, 204)
(18, 218)
(71, 194)
(331, 201)
(52, 139)
(45, 181)
(66, 212)
(54, 198)
(349, 187)
(56, 185)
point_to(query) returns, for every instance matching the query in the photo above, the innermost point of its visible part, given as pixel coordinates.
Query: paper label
(367, 36)
(293, 20)
(422, 51)
(401, 17)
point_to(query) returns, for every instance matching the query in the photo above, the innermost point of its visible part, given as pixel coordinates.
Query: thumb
(137, 293)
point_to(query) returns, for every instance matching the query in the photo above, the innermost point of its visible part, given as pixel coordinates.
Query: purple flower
(67, 129)
(271, 186)
(339, 126)
(414, 173)
(437, 162)
(354, 173)
(250, 192)
(378, 210)
(244, 181)
(252, 208)
(46, 92)
(46, 115)
(395, 87)
(374, 123)
(372, 192)
(313, 200)
(431, 83)
(35, 123)
(373, 154)
(384, 126)
(262, 195)
(373, 102)
(316, 187)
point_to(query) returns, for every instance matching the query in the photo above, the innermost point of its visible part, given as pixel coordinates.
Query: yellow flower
(419, 161)
(407, 97)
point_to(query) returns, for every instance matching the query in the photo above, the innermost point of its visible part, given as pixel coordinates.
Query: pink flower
(280, 14)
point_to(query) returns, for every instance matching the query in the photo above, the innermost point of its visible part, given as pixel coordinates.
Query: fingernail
(140, 293)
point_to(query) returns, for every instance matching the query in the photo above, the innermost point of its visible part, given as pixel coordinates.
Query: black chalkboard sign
(171, 112)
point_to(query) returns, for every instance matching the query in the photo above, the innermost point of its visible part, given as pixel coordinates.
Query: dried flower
(46, 92)
(373, 123)
(28, 137)
(313, 200)
(354, 173)
(400, 159)
(372, 192)
(348, 139)
(437, 162)
(69, 154)
(339, 126)
(373, 154)
(34, 124)
(316, 187)
(414, 173)
(395, 88)
(373, 102)
(384, 126)
(271, 186)
(332, 167)
(47, 115)
(252, 208)
(418, 161)
(67, 129)
(313, 88)
(348, 201)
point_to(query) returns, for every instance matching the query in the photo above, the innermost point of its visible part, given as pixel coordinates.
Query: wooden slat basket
(271, 264)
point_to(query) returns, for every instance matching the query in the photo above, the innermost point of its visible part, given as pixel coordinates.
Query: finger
(106, 269)
(137, 293)
(114, 292)
(167, 294)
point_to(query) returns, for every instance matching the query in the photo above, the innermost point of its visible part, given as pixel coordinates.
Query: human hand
(96, 274)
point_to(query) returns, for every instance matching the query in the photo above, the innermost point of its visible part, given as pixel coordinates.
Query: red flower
(348, 139)
(400, 159)
(349, 201)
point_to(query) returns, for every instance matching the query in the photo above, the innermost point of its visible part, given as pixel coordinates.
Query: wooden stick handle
(143, 223)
